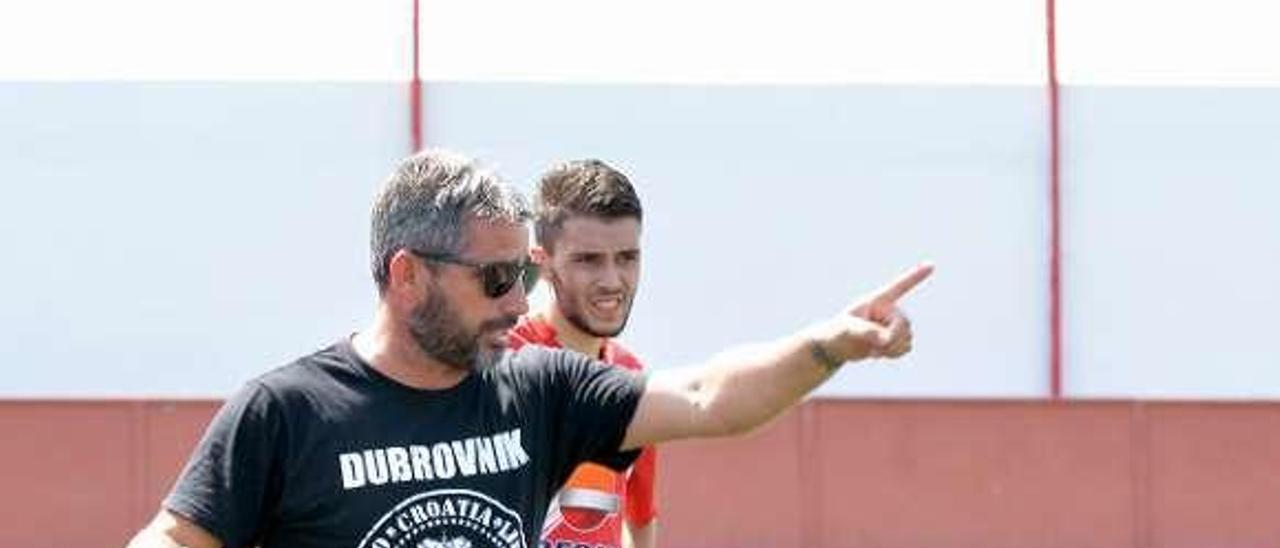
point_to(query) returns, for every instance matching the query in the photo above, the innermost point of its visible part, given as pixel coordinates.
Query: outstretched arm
(741, 389)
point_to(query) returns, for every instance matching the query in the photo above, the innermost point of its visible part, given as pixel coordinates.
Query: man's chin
(595, 326)
(496, 340)
(607, 331)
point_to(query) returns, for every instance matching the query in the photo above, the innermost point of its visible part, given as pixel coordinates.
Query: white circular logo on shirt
(447, 518)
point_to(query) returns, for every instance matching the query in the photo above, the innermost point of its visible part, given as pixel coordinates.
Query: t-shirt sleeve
(592, 404)
(641, 503)
(232, 479)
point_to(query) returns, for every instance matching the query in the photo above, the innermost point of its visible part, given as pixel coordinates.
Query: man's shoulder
(617, 354)
(539, 364)
(533, 355)
(532, 331)
(318, 370)
(325, 386)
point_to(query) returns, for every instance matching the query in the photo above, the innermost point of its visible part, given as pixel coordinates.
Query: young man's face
(593, 268)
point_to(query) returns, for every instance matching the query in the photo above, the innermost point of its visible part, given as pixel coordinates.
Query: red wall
(833, 473)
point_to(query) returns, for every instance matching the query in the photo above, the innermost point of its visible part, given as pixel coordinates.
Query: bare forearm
(742, 389)
(732, 393)
(746, 387)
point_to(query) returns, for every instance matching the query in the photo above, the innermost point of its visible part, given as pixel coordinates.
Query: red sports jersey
(589, 508)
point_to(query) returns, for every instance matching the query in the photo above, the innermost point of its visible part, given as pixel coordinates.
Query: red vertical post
(1055, 209)
(415, 91)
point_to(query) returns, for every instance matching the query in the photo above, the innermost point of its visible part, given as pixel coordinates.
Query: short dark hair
(428, 200)
(581, 188)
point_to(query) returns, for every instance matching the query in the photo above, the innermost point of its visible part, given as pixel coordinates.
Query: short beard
(436, 328)
(579, 321)
(576, 318)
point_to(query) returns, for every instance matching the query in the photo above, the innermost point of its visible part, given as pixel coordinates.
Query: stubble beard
(573, 307)
(436, 327)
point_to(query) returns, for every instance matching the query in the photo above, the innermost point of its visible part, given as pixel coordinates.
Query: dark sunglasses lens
(499, 278)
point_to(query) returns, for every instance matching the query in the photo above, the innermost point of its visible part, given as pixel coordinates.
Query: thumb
(880, 335)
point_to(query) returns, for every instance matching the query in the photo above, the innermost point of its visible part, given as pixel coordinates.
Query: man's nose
(611, 277)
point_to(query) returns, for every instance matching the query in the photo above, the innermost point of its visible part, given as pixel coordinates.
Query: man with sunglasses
(587, 220)
(424, 430)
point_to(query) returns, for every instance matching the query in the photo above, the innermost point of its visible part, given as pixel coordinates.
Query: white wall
(769, 207)
(1172, 243)
(180, 238)
(184, 190)
(1172, 213)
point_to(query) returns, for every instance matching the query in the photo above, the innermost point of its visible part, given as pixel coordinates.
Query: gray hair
(428, 200)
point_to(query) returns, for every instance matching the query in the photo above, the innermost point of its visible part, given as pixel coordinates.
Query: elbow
(721, 415)
(724, 421)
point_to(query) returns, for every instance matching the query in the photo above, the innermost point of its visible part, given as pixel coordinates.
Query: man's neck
(569, 335)
(390, 349)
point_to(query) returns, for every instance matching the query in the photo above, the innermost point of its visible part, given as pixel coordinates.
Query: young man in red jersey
(587, 220)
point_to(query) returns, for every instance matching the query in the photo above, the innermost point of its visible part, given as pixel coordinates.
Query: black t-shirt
(327, 452)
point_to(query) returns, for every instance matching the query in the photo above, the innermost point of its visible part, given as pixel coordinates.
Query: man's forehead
(499, 239)
(596, 234)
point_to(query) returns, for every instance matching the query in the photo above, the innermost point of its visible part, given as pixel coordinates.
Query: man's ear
(403, 274)
(539, 255)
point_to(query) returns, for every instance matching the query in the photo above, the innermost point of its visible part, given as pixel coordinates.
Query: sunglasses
(496, 278)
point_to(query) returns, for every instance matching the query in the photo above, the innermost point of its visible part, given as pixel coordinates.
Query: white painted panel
(723, 41)
(769, 207)
(1169, 42)
(718, 41)
(210, 41)
(180, 239)
(1172, 215)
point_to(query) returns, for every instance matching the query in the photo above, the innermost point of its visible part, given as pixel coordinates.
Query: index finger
(904, 283)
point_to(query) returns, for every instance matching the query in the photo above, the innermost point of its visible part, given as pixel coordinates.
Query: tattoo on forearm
(824, 358)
